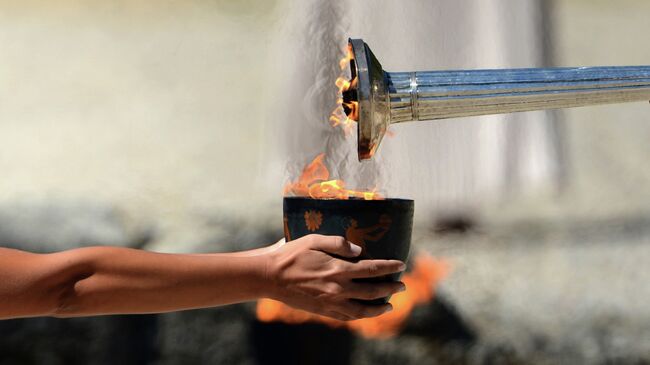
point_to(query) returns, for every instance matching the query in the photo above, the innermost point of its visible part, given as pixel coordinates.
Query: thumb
(336, 245)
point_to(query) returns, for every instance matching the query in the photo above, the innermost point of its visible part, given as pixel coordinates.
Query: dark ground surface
(521, 292)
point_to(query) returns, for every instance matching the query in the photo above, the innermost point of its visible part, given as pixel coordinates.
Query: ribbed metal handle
(393, 97)
(432, 95)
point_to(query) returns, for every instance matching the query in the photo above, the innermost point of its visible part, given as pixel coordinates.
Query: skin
(309, 273)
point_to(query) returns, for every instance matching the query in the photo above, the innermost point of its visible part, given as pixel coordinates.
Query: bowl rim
(307, 198)
(298, 202)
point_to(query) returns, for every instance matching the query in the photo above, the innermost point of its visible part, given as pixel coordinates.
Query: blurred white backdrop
(171, 109)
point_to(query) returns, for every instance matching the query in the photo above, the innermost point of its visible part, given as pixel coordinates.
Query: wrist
(269, 275)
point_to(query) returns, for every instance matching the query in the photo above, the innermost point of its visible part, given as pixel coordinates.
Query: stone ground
(526, 292)
(576, 295)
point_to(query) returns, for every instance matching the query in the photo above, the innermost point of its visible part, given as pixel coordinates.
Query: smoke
(322, 43)
(451, 164)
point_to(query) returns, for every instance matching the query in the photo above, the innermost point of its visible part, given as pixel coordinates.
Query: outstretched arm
(105, 280)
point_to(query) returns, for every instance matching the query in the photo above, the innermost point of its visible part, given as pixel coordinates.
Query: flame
(421, 283)
(342, 83)
(315, 182)
(338, 116)
(349, 56)
(354, 110)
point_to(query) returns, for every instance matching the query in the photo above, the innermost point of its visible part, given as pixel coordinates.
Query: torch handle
(430, 95)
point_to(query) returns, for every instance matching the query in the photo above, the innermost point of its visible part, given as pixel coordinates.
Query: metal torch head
(377, 98)
(372, 97)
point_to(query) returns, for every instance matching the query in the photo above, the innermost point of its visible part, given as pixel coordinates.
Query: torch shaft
(430, 95)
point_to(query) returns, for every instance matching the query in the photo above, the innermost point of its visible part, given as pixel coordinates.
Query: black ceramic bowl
(381, 227)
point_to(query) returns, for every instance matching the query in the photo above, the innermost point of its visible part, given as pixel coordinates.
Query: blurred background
(173, 125)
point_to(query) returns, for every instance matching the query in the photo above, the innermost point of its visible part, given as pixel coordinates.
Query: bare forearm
(307, 273)
(118, 280)
(132, 281)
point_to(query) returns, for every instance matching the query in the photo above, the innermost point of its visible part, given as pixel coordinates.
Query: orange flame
(342, 83)
(354, 107)
(338, 116)
(349, 56)
(421, 283)
(315, 182)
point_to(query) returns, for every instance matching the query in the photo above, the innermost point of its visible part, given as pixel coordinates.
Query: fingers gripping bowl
(381, 227)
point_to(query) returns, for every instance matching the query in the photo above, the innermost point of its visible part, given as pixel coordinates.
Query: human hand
(310, 274)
